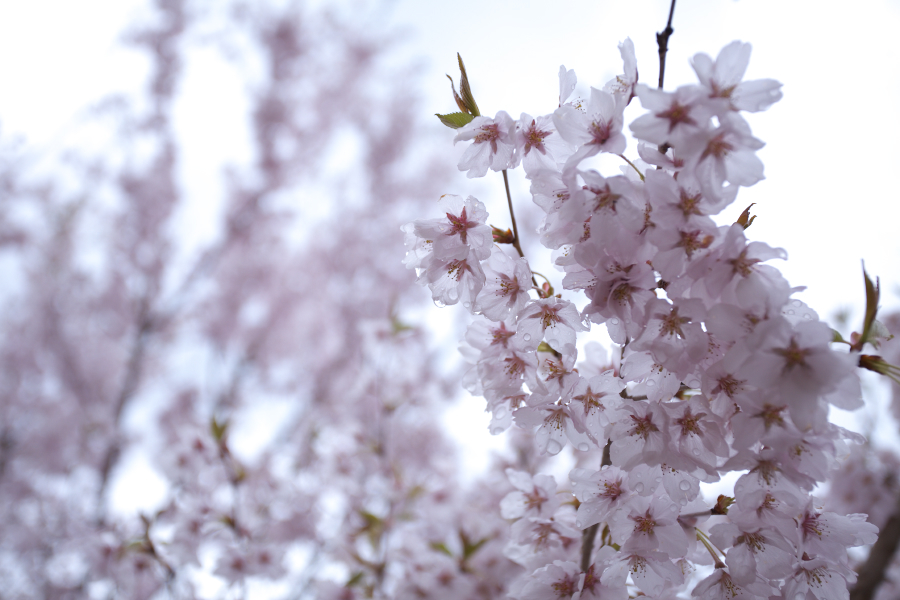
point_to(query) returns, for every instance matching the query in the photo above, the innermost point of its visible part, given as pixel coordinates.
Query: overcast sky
(829, 196)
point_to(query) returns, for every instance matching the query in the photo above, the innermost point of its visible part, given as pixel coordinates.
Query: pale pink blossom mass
(717, 369)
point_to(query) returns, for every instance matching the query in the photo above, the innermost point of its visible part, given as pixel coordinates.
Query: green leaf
(465, 90)
(873, 294)
(398, 326)
(371, 520)
(471, 549)
(355, 579)
(459, 101)
(455, 120)
(218, 429)
(441, 547)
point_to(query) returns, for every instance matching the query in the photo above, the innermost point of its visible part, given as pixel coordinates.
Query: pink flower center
(676, 115)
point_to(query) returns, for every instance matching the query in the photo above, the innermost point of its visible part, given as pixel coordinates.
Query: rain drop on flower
(553, 447)
(684, 486)
(527, 337)
(583, 447)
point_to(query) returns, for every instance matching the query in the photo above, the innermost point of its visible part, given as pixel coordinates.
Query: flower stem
(701, 537)
(512, 215)
(622, 156)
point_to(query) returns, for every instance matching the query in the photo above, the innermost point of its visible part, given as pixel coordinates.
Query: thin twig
(512, 215)
(662, 40)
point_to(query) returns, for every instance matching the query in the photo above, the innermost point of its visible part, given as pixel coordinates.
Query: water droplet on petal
(650, 383)
(453, 295)
(553, 343)
(684, 486)
(467, 304)
(614, 321)
(439, 304)
(579, 525)
(696, 451)
(527, 337)
(790, 312)
(796, 303)
(553, 447)
(800, 596)
(583, 447)
(496, 429)
(639, 487)
(807, 316)
(683, 502)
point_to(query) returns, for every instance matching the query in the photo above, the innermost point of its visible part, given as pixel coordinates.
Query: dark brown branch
(590, 534)
(872, 573)
(662, 40)
(587, 546)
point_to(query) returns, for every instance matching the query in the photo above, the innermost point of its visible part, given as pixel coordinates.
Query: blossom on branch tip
(493, 146)
(723, 78)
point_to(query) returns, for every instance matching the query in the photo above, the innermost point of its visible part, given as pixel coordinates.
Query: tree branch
(662, 40)
(590, 534)
(512, 216)
(872, 573)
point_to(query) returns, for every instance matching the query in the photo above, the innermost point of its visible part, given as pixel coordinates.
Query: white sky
(832, 155)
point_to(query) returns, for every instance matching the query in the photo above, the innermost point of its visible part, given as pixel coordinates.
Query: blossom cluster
(717, 367)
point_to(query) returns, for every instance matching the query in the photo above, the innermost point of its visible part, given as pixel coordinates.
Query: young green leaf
(465, 90)
(455, 120)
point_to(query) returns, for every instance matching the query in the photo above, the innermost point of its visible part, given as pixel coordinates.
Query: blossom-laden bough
(716, 368)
